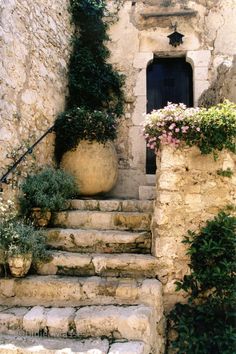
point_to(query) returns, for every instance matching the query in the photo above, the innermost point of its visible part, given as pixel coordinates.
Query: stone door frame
(198, 59)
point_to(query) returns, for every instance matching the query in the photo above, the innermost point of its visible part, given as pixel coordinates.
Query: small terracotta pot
(19, 265)
(41, 218)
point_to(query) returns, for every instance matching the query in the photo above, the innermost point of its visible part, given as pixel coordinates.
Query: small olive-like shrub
(48, 189)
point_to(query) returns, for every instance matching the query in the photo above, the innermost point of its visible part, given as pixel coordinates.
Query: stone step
(103, 220)
(147, 192)
(84, 241)
(117, 265)
(135, 322)
(130, 205)
(42, 345)
(61, 291)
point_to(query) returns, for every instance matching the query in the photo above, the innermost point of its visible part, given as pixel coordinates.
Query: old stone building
(35, 50)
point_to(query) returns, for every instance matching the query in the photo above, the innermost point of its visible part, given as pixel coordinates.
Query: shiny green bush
(206, 324)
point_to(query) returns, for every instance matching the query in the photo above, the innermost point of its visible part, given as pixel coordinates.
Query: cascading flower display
(211, 130)
(171, 125)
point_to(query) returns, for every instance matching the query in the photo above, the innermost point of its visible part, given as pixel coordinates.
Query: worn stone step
(103, 220)
(131, 322)
(119, 264)
(133, 347)
(60, 291)
(112, 205)
(43, 345)
(135, 322)
(84, 241)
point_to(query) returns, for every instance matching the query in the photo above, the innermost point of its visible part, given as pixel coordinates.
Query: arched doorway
(168, 80)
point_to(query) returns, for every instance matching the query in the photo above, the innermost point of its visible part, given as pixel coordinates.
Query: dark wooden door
(168, 80)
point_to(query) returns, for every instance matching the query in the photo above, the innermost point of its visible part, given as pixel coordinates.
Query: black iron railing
(28, 152)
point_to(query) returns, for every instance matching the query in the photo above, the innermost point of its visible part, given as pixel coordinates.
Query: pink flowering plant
(209, 129)
(171, 125)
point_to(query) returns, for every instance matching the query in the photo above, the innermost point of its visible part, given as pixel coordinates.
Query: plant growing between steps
(95, 99)
(48, 190)
(207, 323)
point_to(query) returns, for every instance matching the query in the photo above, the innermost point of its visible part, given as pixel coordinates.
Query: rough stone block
(133, 322)
(35, 320)
(59, 321)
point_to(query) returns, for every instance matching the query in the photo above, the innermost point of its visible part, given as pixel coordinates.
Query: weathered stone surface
(29, 345)
(147, 192)
(127, 348)
(115, 322)
(68, 291)
(67, 263)
(133, 322)
(192, 193)
(83, 241)
(35, 320)
(103, 220)
(34, 54)
(112, 205)
(11, 319)
(60, 321)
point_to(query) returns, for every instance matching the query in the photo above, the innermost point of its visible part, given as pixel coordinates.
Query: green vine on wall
(93, 83)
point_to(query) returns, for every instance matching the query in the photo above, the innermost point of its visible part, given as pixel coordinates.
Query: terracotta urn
(94, 165)
(19, 265)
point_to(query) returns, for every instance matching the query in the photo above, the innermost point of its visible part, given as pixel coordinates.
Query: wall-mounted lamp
(175, 38)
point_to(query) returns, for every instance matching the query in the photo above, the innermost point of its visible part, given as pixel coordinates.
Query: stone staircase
(98, 294)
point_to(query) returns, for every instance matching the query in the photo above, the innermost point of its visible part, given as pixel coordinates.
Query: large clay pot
(19, 265)
(94, 165)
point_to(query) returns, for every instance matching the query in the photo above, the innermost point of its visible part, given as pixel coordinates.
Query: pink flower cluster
(170, 125)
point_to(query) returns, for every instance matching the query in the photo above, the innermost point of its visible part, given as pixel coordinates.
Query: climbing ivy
(93, 83)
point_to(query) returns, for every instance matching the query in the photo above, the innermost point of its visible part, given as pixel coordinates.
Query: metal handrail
(29, 151)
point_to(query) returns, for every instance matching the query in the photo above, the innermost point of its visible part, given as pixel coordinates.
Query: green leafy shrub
(48, 190)
(207, 323)
(211, 130)
(77, 124)
(94, 86)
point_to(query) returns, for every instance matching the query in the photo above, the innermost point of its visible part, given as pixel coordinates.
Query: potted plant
(20, 243)
(44, 192)
(93, 161)
(26, 245)
(85, 131)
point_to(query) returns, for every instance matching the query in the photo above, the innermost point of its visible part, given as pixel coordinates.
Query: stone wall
(189, 191)
(35, 45)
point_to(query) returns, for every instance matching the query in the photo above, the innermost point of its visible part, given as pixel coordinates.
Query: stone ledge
(147, 15)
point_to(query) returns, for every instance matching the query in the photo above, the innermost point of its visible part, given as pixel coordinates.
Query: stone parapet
(189, 192)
